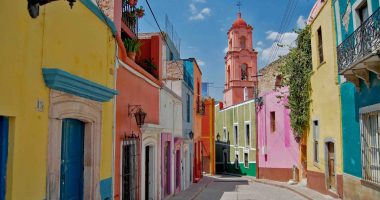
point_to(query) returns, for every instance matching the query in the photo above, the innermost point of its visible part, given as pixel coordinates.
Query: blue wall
(352, 101)
(342, 10)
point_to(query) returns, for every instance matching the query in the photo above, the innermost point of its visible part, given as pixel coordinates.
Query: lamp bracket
(132, 109)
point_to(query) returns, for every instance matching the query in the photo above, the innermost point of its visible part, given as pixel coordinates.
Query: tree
(296, 73)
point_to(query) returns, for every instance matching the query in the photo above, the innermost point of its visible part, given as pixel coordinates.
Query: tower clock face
(34, 10)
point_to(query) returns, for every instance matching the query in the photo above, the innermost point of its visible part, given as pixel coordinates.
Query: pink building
(278, 151)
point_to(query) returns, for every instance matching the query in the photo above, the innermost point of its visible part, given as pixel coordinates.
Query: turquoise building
(357, 24)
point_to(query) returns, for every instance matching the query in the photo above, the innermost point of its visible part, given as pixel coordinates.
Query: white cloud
(201, 63)
(225, 50)
(198, 15)
(301, 22)
(200, 1)
(288, 41)
(260, 43)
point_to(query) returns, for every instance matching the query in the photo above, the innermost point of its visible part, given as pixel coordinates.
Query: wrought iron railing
(129, 17)
(363, 41)
(201, 108)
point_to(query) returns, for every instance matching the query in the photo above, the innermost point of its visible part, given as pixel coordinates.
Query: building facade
(57, 118)
(278, 155)
(208, 137)
(324, 141)
(357, 36)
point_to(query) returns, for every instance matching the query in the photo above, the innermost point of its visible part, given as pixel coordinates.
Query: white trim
(248, 145)
(355, 14)
(338, 21)
(236, 140)
(238, 105)
(371, 108)
(138, 74)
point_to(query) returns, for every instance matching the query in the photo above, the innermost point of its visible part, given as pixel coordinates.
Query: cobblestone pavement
(237, 188)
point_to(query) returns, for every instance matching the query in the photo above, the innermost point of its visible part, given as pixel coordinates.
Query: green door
(72, 153)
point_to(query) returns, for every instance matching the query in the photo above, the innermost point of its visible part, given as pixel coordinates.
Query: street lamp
(218, 137)
(138, 113)
(191, 135)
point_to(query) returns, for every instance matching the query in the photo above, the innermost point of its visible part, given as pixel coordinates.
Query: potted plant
(132, 3)
(132, 46)
(132, 18)
(140, 12)
(149, 65)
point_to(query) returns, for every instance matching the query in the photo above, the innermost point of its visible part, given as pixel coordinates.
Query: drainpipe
(114, 121)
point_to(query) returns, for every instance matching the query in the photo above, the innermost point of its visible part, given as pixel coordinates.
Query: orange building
(208, 136)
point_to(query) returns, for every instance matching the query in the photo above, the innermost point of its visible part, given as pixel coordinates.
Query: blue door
(72, 151)
(3, 154)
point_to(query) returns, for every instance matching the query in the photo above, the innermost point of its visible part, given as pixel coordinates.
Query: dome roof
(239, 22)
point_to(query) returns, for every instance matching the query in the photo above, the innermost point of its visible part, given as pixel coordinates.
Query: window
(129, 169)
(273, 121)
(236, 135)
(320, 46)
(188, 108)
(237, 161)
(362, 12)
(247, 134)
(315, 140)
(242, 42)
(230, 44)
(246, 165)
(225, 134)
(370, 133)
(244, 72)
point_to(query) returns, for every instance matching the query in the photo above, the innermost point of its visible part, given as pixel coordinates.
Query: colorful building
(208, 137)
(357, 36)
(199, 111)
(57, 105)
(324, 140)
(236, 152)
(278, 155)
(180, 79)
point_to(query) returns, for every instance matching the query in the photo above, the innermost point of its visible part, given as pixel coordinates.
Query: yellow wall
(325, 94)
(74, 40)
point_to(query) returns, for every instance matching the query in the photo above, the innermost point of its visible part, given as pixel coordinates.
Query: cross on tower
(239, 5)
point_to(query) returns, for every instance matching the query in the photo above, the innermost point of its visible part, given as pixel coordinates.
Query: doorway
(4, 126)
(225, 161)
(149, 173)
(72, 157)
(178, 170)
(331, 183)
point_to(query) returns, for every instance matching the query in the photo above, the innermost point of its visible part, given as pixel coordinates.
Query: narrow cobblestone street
(243, 188)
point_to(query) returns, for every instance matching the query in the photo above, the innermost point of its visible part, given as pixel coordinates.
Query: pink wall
(278, 149)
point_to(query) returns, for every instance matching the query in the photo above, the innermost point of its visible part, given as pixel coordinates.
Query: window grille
(246, 165)
(370, 136)
(247, 135)
(129, 173)
(236, 135)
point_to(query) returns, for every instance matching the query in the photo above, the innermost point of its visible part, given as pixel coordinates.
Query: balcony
(200, 107)
(359, 53)
(129, 18)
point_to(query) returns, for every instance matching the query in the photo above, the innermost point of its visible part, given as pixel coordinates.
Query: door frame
(152, 142)
(63, 105)
(327, 173)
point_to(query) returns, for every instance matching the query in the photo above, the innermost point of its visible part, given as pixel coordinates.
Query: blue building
(357, 24)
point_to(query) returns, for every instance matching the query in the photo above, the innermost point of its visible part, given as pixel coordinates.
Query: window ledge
(316, 164)
(370, 184)
(321, 64)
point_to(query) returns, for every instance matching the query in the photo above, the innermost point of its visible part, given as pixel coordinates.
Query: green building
(235, 144)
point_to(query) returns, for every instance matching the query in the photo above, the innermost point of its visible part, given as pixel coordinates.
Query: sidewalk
(299, 188)
(193, 191)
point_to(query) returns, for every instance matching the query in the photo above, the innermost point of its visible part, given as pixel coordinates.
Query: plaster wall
(58, 38)
(278, 149)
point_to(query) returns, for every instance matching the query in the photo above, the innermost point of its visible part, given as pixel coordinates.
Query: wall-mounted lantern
(34, 6)
(217, 137)
(191, 135)
(138, 113)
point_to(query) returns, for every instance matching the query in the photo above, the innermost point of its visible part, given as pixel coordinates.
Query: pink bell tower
(241, 64)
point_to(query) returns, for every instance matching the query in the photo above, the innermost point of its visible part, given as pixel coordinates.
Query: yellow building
(324, 152)
(56, 101)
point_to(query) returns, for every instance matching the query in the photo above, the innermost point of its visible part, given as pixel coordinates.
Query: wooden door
(72, 154)
(3, 155)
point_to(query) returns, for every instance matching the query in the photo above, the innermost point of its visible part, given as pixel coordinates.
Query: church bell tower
(241, 64)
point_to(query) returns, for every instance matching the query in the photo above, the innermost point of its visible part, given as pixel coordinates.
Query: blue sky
(202, 26)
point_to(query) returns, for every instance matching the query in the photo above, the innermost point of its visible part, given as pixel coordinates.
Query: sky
(202, 26)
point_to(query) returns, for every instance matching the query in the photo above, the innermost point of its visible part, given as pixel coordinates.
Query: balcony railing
(128, 16)
(361, 43)
(200, 107)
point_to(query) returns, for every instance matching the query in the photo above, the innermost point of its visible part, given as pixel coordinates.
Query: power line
(161, 32)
